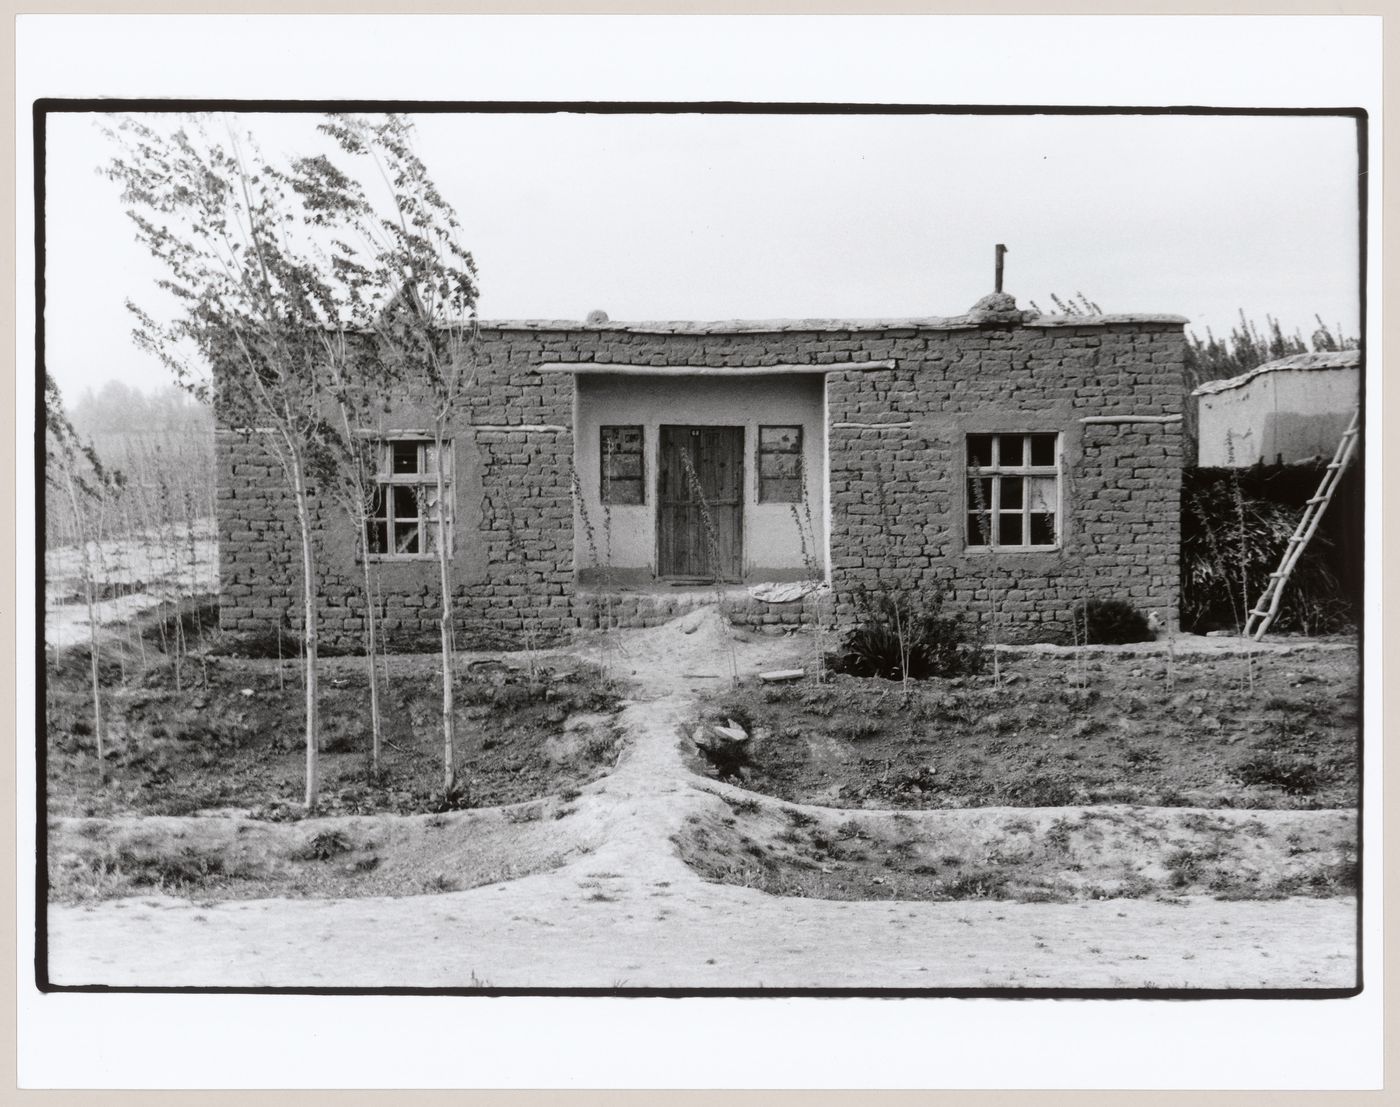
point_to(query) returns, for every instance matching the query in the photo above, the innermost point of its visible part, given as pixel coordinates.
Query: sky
(708, 216)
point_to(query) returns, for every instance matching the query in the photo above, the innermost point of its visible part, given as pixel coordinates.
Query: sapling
(357, 384)
(1242, 551)
(73, 467)
(412, 287)
(253, 292)
(602, 608)
(895, 592)
(984, 526)
(814, 568)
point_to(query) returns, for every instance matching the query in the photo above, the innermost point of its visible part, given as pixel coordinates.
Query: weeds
(325, 846)
(713, 553)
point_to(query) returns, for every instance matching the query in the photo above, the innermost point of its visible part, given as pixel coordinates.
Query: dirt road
(632, 914)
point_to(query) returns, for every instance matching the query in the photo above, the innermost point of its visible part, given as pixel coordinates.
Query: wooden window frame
(607, 480)
(386, 480)
(763, 495)
(996, 472)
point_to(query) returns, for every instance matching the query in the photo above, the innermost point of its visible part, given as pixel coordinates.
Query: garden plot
(232, 739)
(1275, 730)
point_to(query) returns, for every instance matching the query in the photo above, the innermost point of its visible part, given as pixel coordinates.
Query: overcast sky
(719, 217)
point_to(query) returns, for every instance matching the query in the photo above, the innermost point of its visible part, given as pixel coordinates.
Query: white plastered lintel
(709, 370)
(1131, 419)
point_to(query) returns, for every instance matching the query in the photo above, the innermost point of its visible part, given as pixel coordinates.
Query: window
(622, 469)
(1013, 490)
(779, 465)
(403, 517)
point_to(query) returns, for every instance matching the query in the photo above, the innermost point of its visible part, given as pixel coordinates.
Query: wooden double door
(700, 503)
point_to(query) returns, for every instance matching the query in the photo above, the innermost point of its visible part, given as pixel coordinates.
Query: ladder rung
(1278, 576)
(1335, 465)
(1319, 499)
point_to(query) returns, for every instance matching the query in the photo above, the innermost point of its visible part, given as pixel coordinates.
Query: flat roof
(769, 326)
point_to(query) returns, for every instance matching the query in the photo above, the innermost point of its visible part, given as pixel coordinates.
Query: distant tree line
(1248, 346)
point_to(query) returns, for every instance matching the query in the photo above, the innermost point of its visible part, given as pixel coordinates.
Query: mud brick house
(1285, 411)
(1001, 456)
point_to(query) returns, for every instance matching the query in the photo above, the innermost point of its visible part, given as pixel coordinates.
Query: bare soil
(622, 892)
(1275, 730)
(212, 859)
(232, 737)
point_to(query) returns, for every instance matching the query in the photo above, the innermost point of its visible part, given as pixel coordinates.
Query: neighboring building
(1290, 410)
(1009, 459)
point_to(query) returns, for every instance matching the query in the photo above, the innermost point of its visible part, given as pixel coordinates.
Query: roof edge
(769, 326)
(1322, 359)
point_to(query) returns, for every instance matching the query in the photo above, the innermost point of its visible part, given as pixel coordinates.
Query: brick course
(896, 484)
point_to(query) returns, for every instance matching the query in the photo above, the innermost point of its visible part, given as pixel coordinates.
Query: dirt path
(632, 914)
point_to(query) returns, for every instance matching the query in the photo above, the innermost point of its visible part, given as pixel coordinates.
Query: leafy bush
(1110, 622)
(1223, 557)
(1295, 776)
(899, 634)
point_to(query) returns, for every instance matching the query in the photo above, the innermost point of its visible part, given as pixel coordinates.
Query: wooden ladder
(1263, 614)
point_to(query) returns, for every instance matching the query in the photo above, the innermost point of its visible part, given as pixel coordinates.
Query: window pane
(780, 490)
(405, 503)
(1043, 449)
(626, 467)
(403, 457)
(1012, 449)
(1042, 529)
(979, 494)
(1041, 493)
(406, 538)
(625, 492)
(427, 494)
(1010, 529)
(379, 504)
(1011, 491)
(979, 450)
(979, 529)
(430, 459)
(622, 440)
(378, 535)
(787, 466)
(782, 440)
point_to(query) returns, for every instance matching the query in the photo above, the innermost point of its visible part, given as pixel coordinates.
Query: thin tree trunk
(308, 593)
(369, 653)
(86, 564)
(449, 766)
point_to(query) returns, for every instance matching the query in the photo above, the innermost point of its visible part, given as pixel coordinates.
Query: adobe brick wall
(896, 476)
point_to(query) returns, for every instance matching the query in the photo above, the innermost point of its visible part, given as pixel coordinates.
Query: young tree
(357, 385)
(73, 469)
(252, 299)
(413, 290)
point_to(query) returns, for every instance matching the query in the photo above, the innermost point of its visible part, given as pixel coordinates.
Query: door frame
(742, 456)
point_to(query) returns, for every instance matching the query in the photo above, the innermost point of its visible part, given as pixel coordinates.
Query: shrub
(322, 847)
(1323, 593)
(899, 634)
(1295, 776)
(1110, 622)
